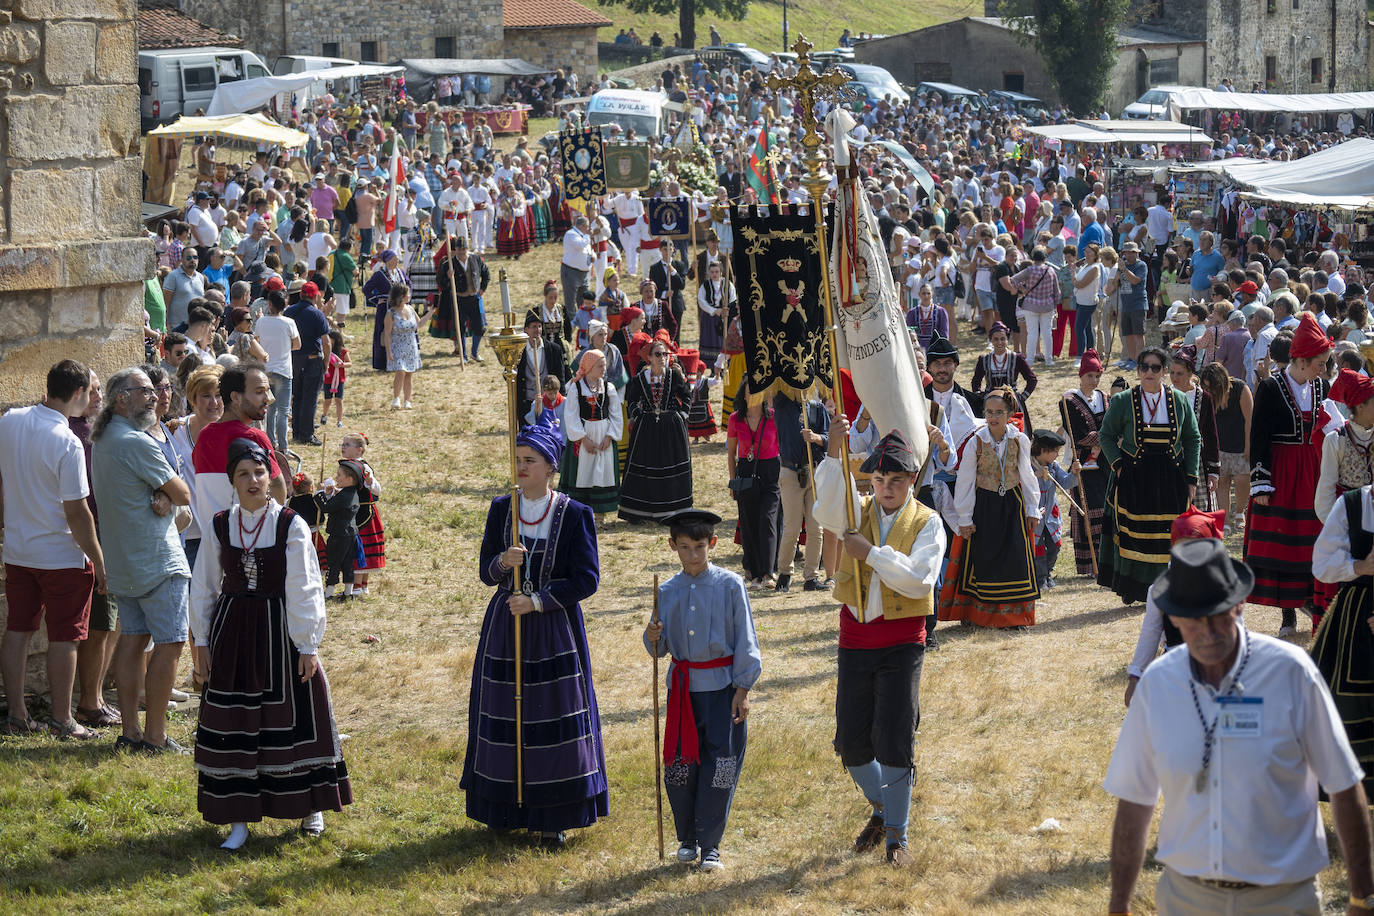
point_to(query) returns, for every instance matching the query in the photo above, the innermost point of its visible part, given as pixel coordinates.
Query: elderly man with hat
(543, 356)
(897, 553)
(1235, 731)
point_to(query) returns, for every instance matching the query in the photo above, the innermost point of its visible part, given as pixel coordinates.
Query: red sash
(626, 223)
(479, 206)
(648, 244)
(680, 733)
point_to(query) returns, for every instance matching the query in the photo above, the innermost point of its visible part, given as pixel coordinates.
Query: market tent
(1306, 103)
(422, 71)
(1341, 177)
(251, 128)
(247, 95)
(1121, 132)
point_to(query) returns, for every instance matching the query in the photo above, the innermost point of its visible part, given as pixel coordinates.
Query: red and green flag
(759, 173)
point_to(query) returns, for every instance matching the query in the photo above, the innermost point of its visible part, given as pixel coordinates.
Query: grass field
(821, 21)
(1015, 729)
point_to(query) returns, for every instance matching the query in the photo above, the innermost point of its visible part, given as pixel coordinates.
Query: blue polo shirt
(312, 325)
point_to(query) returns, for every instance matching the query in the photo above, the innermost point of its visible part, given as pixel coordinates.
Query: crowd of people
(1258, 414)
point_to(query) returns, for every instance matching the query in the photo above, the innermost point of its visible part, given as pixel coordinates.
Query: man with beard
(246, 393)
(146, 571)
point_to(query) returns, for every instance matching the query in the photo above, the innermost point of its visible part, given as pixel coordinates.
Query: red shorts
(62, 596)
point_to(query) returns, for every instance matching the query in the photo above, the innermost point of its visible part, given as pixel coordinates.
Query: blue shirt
(1133, 299)
(1051, 525)
(706, 617)
(787, 418)
(1091, 234)
(141, 547)
(312, 325)
(1205, 267)
(220, 277)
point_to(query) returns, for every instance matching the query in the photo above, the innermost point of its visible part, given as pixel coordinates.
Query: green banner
(627, 166)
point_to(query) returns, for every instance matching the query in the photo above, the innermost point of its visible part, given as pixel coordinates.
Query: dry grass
(1016, 728)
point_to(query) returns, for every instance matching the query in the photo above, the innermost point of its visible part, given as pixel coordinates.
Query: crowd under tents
(162, 146)
(421, 72)
(1181, 100)
(1105, 132)
(1339, 178)
(249, 95)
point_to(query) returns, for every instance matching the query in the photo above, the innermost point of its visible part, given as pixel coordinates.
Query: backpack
(351, 209)
(960, 291)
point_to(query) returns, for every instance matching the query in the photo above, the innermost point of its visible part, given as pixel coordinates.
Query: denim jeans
(305, 395)
(1083, 327)
(279, 410)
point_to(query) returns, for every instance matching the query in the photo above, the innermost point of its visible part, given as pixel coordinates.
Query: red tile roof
(545, 14)
(162, 27)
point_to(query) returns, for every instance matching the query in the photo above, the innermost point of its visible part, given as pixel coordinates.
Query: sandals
(18, 727)
(104, 717)
(64, 731)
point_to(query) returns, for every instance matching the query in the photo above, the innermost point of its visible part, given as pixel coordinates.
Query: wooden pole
(453, 295)
(1087, 524)
(324, 439)
(658, 735)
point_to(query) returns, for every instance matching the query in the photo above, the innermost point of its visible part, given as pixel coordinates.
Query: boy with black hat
(898, 550)
(706, 625)
(341, 527)
(1046, 446)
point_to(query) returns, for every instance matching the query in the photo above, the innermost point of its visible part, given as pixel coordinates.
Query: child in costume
(266, 744)
(548, 409)
(587, 310)
(371, 534)
(706, 625)
(701, 421)
(302, 502)
(341, 525)
(1046, 446)
(334, 377)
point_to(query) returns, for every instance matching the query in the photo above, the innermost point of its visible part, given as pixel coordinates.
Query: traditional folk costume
(512, 233)
(371, 533)
(715, 300)
(1344, 646)
(1206, 414)
(701, 421)
(1049, 531)
(559, 206)
(564, 760)
(482, 200)
(709, 631)
(537, 198)
(882, 640)
(1152, 445)
(266, 743)
(996, 492)
(928, 324)
(658, 466)
(304, 505)
(732, 348)
(590, 415)
(1081, 416)
(1346, 461)
(341, 528)
(993, 371)
(1285, 459)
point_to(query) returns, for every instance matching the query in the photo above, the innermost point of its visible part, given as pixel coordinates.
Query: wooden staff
(324, 438)
(1087, 522)
(453, 294)
(658, 735)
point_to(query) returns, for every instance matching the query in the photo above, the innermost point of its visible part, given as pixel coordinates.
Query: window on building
(1271, 6)
(1295, 4)
(1317, 63)
(1164, 70)
(444, 46)
(368, 51)
(1271, 71)
(330, 49)
(1014, 82)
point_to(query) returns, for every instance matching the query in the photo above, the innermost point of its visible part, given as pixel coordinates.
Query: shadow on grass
(1082, 873)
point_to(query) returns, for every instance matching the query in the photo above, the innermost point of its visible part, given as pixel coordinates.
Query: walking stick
(324, 450)
(658, 750)
(1087, 523)
(453, 294)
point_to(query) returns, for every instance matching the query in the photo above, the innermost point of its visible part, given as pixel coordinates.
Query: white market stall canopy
(1121, 132)
(251, 128)
(1306, 103)
(1341, 177)
(247, 95)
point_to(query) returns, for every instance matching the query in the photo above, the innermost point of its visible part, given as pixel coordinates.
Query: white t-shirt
(43, 465)
(983, 278)
(275, 333)
(203, 229)
(316, 247)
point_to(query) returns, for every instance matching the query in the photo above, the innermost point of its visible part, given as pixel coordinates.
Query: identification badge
(1240, 717)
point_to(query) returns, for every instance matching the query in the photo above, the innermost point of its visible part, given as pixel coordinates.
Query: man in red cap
(897, 550)
(1285, 459)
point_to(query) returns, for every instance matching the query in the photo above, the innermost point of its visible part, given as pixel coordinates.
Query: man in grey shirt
(138, 493)
(181, 286)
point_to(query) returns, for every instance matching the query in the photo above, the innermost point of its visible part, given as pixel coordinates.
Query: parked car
(177, 81)
(1027, 106)
(950, 93)
(741, 54)
(875, 81)
(1153, 105)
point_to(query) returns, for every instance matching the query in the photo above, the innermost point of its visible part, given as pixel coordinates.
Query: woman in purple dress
(564, 761)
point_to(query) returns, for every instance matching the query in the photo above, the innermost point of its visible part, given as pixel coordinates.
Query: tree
(1077, 40)
(686, 12)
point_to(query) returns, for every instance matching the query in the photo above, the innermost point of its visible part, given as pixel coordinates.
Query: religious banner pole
(453, 295)
(658, 751)
(811, 88)
(509, 345)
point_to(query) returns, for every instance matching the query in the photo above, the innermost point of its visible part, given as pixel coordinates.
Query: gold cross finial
(812, 87)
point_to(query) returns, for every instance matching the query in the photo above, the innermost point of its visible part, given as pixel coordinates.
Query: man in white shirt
(629, 211)
(52, 559)
(1235, 730)
(1330, 262)
(456, 205)
(578, 257)
(204, 232)
(279, 336)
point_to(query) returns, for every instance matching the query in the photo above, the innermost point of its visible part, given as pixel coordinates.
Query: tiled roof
(162, 27)
(545, 14)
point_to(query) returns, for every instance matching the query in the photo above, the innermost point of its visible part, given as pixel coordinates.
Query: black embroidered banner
(668, 217)
(777, 265)
(584, 164)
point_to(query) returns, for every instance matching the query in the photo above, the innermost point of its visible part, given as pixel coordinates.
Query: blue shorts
(163, 612)
(987, 300)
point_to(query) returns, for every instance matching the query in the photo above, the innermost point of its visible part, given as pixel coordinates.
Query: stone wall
(73, 256)
(569, 48)
(1130, 76)
(967, 53)
(1291, 32)
(397, 29)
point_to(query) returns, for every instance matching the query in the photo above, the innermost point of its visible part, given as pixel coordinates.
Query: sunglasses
(1151, 367)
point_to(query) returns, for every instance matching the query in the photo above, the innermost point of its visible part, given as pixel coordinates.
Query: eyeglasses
(1151, 367)
(144, 390)
(164, 389)
(659, 354)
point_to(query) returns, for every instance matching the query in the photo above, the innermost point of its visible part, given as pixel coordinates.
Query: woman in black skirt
(1344, 644)
(751, 460)
(1081, 411)
(266, 745)
(658, 465)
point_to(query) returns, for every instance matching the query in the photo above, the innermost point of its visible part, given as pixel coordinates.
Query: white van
(300, 63)
(647, 112)
(177, 81)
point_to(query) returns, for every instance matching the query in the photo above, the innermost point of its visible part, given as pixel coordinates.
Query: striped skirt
(266, 744)
(372, 535)
(1343, 650)
(1279, 536)
(1150, 493)
(1085, 537)
(996, 583)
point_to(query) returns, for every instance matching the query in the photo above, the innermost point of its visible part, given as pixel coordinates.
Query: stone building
(553, 34)
(162, 25)
(73, 256)
(982, 52)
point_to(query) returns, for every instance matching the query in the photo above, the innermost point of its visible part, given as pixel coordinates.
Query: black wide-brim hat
(1202, 580)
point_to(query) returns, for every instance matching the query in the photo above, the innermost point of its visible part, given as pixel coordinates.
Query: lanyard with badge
(1239, 717)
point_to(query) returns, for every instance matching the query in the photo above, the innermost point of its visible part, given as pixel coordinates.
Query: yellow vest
(912, 518)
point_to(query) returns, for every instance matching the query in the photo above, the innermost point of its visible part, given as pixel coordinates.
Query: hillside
(821, 21)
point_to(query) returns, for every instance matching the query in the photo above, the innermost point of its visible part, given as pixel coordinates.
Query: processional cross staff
(812, 87)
